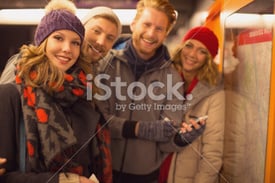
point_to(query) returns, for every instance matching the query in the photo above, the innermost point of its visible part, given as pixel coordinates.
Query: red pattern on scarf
(37, 107)
(30, 149)
(104, 160)
(42, 115)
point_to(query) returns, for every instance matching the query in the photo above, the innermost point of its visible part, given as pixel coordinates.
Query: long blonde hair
(34, 59)
(209, 71)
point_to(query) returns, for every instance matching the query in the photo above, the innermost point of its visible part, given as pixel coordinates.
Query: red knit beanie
(205, 36)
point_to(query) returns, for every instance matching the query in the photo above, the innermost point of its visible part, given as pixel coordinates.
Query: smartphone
(198, 119)
(201, 118)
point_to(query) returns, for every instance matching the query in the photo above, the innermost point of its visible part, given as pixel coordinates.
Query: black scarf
(138, 65)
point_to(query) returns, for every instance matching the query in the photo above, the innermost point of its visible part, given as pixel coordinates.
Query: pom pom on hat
(60, 4)
(205, 36)
(60, 14)
(102, 10)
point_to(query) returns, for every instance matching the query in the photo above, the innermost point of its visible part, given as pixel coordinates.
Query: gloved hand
(183, 139)
(160, 130)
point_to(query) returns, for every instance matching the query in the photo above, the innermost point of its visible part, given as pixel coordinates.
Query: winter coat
(83, 121)
(201, 161)
(8, 73)
(140, 156)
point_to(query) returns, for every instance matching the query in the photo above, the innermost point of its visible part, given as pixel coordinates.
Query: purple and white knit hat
(60, 14)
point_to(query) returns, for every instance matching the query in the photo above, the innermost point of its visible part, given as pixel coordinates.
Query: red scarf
(191, 86)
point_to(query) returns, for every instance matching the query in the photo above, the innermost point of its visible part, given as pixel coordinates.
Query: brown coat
(201, 161)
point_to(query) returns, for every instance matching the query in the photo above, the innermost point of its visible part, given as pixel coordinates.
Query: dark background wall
(11, 39)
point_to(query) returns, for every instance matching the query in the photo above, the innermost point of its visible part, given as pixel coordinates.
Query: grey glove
(159, 130)
(183, 139)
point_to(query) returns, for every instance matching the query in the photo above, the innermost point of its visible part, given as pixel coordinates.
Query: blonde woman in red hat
(201, 161)
(49, 95)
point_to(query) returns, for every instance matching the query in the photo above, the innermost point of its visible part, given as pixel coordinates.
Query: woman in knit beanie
(201, 161)
(102, 29)
(48, 100)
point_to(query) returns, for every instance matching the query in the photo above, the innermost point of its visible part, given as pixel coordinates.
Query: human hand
(194, 123)
(189, 132)
(2, 161)
(160, 130)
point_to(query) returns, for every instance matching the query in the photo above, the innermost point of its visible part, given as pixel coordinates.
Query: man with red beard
(141, 73)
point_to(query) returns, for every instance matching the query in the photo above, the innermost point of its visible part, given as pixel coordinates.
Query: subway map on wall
(247, 107)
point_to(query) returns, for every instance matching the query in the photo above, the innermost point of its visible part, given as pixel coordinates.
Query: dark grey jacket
(141, 156)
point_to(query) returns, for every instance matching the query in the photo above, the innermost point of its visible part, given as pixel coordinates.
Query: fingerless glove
(183, 139)
(160, 130)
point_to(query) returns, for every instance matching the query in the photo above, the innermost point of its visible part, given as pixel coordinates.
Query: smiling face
(63, 48)
(149, 31)
(194, 55)
(100, 36)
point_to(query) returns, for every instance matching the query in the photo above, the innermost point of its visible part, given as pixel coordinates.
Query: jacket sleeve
(112, 120)
(10, 109)
(212, 140)
(108, 103)
(8, 74)
(174, 109)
